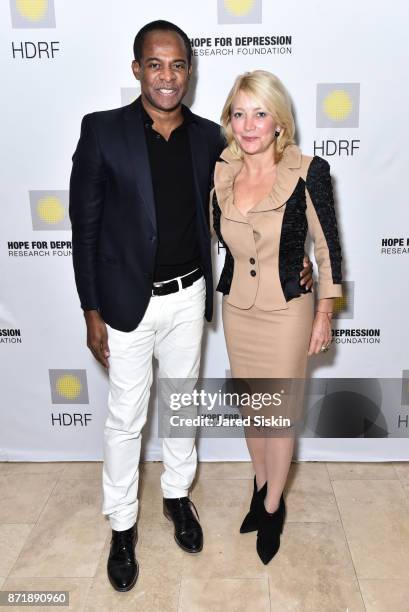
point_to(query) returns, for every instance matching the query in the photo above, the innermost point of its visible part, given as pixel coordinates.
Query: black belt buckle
(166, 287)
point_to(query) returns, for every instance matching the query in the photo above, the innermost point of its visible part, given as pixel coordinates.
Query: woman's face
(253, 127)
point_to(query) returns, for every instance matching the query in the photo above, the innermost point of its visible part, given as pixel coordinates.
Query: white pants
(171, 330)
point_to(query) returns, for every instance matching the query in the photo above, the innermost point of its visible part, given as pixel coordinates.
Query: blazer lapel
(288, 175)
(138, 157)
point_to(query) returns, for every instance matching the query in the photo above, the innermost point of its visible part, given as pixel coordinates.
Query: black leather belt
(166, 287)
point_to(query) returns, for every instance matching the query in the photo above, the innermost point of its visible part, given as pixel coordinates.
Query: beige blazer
(302, 197)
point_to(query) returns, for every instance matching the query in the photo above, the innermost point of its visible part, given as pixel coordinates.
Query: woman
(266, 195)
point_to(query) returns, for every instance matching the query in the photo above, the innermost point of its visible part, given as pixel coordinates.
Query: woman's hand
(321, 332)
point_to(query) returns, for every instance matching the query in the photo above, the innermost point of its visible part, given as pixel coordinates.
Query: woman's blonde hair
(269, 91)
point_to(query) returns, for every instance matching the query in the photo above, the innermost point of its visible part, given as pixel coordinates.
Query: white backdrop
(343, 66)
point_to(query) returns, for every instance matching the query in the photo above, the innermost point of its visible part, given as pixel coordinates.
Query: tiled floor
(345, 545)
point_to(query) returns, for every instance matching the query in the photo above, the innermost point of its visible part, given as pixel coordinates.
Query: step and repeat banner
(343, 66)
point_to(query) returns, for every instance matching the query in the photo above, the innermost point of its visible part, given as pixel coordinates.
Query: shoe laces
(124, 541)
(183, 511)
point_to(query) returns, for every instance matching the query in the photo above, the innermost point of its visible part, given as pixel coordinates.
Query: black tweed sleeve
(322, 225)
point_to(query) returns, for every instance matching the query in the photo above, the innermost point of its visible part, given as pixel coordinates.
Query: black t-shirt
(173, 188)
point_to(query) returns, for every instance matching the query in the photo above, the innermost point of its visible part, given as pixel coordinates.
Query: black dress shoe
(269, 531)
(250, 522)
(188, 532)
(122, 566)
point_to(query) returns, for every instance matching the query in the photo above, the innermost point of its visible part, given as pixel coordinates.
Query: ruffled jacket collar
(288, 174)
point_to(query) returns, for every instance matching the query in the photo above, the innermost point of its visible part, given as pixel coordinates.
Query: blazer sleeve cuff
(329, 290)
(89, 307)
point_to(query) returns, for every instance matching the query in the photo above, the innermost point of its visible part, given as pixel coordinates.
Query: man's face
(163, 71)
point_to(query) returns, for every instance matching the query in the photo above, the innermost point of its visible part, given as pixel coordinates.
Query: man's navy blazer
(112, 212)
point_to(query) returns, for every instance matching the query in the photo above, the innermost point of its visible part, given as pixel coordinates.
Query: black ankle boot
(250, 522)
(269, 531)
(122, 566)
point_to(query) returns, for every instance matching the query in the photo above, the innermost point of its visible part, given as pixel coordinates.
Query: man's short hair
(165, 26)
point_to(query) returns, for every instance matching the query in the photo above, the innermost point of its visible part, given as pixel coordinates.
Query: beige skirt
(271, 345)
(267, 344)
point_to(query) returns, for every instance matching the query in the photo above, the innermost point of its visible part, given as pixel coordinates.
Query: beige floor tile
(151, 470)
(156, 545)
(309, 495)
(313, 473)
(23, 496)
(70, 535)
(226, 552)
(160, 571)
(83, 469)
(313, 571)
(224, 594)
(31, 467)
(76, 587)
(2, 580)
(358, 471)
(150, 500)
(12, 539)
(402, 470)
(227, 469)
(224, 497)
(375, 515)
(385, 595)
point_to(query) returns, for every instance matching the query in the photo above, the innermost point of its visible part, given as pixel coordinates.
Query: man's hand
(97, 336)
(306, 273)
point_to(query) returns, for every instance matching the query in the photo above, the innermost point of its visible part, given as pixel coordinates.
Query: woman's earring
(277, 133)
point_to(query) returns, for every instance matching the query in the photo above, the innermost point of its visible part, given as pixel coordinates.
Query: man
(139, 195)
